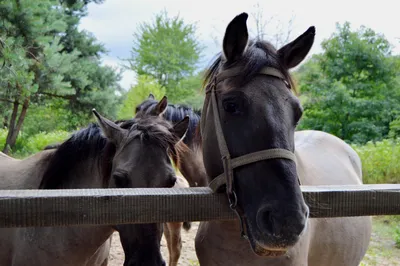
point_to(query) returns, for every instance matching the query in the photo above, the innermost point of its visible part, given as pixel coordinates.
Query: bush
(26, 146)
(3, 136)
(380, 161)
(37, 142)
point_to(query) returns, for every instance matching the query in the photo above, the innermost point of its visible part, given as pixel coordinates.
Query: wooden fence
(26, 208)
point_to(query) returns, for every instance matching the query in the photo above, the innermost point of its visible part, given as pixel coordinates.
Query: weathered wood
(25, 208)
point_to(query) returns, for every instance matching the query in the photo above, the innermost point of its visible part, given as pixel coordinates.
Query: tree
(270, 29)
(351, 89)
(37, 66)
(138, 93)
(280, 35)
(190, 89)
(166, 49)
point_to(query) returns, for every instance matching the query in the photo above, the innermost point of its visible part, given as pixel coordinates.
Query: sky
(114, 22)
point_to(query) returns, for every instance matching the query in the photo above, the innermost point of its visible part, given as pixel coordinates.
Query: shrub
(26, 146)
(380, 161)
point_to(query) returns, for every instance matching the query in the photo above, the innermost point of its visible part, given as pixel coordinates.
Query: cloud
(128, 76)
(114, 22)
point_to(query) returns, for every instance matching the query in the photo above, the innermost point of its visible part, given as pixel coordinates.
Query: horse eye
(231, 108)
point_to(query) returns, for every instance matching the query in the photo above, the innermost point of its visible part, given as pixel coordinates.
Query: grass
(380, 161)
(382, 250)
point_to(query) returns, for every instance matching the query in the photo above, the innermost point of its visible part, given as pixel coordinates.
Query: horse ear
(161, 106)
(111, 130)
(181, 128)
(293, 53)
(151, 96)
(236, 38)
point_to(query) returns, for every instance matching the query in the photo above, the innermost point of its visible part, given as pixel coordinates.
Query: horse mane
(82, 145)
(257, 55)
(175, 113)
(90, 143)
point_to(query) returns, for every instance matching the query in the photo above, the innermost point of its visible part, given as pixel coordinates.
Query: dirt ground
(381, 252)
(188, 254)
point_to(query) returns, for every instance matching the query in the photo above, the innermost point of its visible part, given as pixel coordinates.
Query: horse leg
(174, 242)
(167, 235)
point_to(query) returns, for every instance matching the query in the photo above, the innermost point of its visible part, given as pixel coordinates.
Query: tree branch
(6, 100)
(67, 97)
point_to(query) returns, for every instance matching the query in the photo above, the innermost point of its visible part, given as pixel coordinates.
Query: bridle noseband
(229, 163)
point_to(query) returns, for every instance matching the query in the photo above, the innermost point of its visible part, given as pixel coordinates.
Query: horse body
(322, 159)
(23, 174)
(130, 155)
(49, 245)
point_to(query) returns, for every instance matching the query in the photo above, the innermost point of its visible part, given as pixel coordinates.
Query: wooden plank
(26, 208)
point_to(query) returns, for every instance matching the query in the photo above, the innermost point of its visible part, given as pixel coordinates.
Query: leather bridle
(229, 163)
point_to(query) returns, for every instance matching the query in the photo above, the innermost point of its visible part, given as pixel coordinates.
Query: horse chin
(267, 252)
(263, 250)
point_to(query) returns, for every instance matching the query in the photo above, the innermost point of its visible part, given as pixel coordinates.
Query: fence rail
(26, 208)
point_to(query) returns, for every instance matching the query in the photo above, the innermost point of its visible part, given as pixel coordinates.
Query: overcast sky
(114, 22)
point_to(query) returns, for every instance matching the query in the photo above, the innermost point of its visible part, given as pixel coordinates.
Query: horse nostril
(267, 221)
(307, 213)
(172, 181)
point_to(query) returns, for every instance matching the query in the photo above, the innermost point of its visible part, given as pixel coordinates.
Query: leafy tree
(167, 50)
(145, 85)
(190, 89)
(37, 67)
(351, 88)
(95, 85)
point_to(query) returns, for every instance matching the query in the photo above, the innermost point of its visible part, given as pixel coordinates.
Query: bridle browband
(229, 163)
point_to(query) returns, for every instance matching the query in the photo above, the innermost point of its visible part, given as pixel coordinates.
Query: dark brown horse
(133, 154)
(191, 163)
(248, 134)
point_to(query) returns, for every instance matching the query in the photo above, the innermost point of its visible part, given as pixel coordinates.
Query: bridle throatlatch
(229, 163)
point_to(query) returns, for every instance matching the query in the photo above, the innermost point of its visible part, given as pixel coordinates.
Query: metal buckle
(232, 200)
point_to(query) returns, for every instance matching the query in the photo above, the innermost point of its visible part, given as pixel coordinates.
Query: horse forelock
(258, 54)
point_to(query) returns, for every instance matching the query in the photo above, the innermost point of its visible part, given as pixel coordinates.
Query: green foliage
(190, 92)
(352, 89)
(27, 146)
(167, 50)
(380, 161)
(145, 85)
(37, 142)
(3, 136)
(52, 115)
(397, 237)
(46, 58)
(394, 131)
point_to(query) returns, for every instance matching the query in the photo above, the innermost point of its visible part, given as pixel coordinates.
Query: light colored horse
(133, 154)
(248, 94)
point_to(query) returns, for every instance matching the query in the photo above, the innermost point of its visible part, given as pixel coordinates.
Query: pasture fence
(70, 207)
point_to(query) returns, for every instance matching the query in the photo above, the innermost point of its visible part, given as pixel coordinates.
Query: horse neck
(175, 114)
(88, 174)
(191, 166)
(141, 243)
